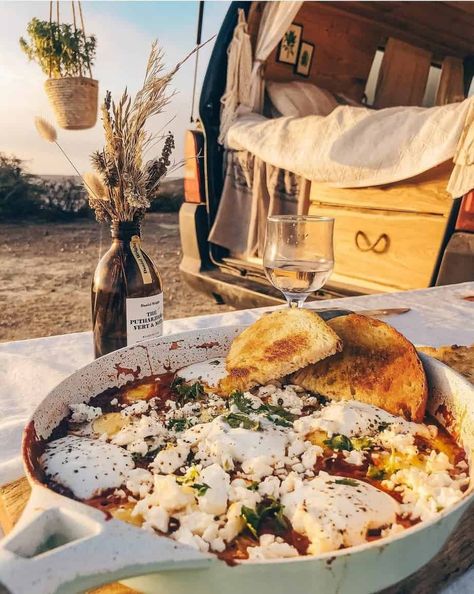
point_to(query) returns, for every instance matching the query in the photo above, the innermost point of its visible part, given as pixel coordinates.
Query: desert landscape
(46, 270)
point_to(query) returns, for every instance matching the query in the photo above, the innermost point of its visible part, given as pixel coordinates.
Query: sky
(124, 31)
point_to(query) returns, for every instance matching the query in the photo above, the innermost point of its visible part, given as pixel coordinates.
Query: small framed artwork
(305, 58)
(290, 44)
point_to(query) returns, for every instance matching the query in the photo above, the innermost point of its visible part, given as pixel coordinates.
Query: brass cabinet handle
(379, 246)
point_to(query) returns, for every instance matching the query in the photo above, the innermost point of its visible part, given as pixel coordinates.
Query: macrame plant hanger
(73, 96)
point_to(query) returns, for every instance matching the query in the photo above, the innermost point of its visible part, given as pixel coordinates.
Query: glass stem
(296, 300)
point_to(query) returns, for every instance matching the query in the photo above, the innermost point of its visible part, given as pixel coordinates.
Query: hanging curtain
(239, 68)
(276, 18)
(245, 86)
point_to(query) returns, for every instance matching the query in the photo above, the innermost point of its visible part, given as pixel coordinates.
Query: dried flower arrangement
(123, 183)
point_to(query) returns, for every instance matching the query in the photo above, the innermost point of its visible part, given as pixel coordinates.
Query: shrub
(19, 191)
(170, 196)
(65, 199)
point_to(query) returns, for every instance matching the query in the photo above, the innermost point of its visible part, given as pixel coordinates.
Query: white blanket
(356, 147)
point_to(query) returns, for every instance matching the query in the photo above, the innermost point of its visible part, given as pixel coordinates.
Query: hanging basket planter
(65, 54)
(74, 101)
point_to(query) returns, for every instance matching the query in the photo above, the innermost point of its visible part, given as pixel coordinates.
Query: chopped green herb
(347, 481)
(187, 392)
(279, 421)
(178, 424)
(236, 420)
(253, 486)
(339, 442)
(252, 519)
(278, 411)
(214, 362)
(238, 399)
(269, 508)
(275, 414)
(374, 472)
(201, 488)
(148, 457)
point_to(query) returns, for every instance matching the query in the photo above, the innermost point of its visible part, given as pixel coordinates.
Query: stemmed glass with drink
(298, 256)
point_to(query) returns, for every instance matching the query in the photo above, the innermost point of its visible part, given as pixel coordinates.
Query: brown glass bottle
(127, 293)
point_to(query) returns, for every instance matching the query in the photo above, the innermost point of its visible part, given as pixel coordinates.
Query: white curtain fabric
(239, 68)
(276, 18)
(245, 86)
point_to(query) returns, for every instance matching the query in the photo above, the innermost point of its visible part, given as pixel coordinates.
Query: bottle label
(144, 318)
(141, 262)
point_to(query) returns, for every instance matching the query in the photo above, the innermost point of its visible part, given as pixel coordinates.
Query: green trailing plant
(61, 50)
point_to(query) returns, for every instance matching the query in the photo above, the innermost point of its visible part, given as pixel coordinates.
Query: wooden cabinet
(389, 237)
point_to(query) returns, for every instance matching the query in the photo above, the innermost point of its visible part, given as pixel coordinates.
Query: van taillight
(194, 167)
(465, 221)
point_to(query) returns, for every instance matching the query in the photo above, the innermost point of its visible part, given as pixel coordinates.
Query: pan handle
(61, 545)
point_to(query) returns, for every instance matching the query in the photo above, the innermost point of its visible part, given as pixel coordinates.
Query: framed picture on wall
(305, 58)
(290, 44)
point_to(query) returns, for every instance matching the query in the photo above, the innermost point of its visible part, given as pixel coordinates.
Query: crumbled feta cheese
(234, 522)
(137, 408)
(185, 536)
(157, 518)
(82, 413)
(214, 500)
(171, 458)
(402, 442)
(287, 398)
(239, 492)
(308, 459)
(139, 481)
(169, 494)
(355, 457)
(270, 487)
(256, 468)
(425, 494)
(141, 428)
(270, 548)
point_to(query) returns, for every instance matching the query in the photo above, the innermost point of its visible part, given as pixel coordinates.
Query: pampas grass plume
(46, 130)
(95, 186)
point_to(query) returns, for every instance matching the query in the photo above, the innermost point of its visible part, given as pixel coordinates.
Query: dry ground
(46, 269)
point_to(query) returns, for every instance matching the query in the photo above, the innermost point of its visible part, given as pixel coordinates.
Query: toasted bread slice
(377, 365)
(460, 358)
(276, 345)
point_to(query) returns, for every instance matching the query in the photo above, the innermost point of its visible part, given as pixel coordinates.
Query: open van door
(356, 45)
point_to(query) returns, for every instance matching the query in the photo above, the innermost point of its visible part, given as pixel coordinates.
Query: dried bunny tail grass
(94, 186)
(46, 130)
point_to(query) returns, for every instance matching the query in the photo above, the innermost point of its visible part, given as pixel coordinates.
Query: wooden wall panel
(403, 75)
(344, 51)
(451, 83)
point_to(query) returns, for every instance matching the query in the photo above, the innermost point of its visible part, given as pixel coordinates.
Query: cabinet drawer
(395, 250)
(425, 193)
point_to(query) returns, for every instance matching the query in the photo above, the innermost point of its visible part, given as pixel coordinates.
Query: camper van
(358, 111)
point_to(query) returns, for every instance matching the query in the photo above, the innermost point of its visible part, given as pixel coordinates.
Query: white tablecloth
(29, 369)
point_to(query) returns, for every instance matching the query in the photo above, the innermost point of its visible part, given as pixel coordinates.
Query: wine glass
(298, 256)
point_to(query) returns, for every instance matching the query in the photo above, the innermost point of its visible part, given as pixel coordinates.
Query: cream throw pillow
(300, 99)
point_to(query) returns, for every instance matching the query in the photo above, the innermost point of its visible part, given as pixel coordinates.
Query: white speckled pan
(92, 550)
